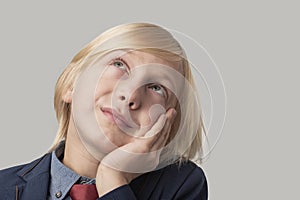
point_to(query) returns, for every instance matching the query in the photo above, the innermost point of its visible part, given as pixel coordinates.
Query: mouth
(115, 117)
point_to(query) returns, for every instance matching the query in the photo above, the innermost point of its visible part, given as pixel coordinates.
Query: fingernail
(174, 112)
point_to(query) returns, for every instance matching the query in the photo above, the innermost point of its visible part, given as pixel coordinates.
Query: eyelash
(120, 60)
(164, 91)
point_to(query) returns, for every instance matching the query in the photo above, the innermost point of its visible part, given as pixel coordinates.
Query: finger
(161, 141)
(156, 131)
(162, 137)
(170, 115)
(157, 127)
(159, 133)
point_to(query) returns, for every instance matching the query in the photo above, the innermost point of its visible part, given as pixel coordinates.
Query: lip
(115, 116)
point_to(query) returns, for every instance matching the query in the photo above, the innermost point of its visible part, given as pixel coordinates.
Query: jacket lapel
(36, 178)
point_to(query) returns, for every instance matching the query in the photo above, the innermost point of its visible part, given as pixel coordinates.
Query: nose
(132, 99)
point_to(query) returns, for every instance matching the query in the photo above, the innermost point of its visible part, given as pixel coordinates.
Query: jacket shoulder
(183, 171)
(14, 175)
(184, 181)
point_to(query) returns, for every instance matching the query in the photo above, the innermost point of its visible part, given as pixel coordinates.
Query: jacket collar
(36, 178)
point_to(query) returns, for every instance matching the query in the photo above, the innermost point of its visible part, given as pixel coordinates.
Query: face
(131, 94)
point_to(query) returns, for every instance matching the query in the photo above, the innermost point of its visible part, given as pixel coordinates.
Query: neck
(76, 157)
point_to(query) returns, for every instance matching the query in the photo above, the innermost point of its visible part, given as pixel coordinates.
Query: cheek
(172, 102)
(115, 137)
(107, 82)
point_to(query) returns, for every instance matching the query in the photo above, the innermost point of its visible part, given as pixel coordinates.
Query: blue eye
(158, 89)
(119, 64)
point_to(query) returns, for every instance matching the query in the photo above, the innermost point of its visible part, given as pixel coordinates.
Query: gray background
(254, 43)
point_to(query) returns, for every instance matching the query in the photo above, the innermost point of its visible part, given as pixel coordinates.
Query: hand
(141, 155)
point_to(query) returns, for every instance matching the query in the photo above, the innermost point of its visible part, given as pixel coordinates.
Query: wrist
(108, 179)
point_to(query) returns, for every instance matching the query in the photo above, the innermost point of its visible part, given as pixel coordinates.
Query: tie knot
(84, 192)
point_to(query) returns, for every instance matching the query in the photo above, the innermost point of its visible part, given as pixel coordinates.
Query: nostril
(131, 104)
(122, 98)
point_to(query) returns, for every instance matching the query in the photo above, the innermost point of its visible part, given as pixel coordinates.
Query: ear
(67, 97)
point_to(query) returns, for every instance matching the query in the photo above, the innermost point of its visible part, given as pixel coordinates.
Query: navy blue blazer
(30, 182)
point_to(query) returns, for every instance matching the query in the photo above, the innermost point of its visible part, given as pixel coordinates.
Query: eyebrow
(124, 58)
(121, 59)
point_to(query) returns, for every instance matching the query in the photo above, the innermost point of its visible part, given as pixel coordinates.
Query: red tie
(84, 192)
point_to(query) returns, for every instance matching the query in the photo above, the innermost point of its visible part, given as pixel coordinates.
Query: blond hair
(159, 42)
